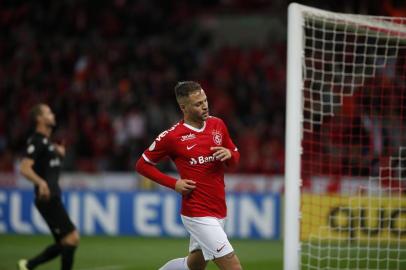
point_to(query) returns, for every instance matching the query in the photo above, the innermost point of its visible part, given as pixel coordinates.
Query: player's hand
(185, 186)
(221, 153)
(60, 148)
(43, 191)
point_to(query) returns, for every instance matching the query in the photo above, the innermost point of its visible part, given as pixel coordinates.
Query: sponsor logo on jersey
(54, 162)
(190, 136)
(160, 136)
(163, 134)
(188, 147)
(217, 137)
(202, 160)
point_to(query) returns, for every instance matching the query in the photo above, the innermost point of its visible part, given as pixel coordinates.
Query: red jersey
(189, 148)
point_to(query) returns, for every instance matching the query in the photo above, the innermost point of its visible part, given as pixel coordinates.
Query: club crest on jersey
(190, 136)
(217, 137)
(30, 149)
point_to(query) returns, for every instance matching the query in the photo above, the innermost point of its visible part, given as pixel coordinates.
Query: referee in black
(41, 165)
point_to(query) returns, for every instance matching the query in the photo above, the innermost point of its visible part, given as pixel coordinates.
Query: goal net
(345, 141)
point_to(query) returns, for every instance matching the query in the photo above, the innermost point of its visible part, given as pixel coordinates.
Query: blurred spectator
(108, 69)
(395, 8)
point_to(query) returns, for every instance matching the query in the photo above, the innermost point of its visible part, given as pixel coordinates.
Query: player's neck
(44, 130)
(194, 124)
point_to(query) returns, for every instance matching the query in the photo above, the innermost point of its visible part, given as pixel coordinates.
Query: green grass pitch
(125, 253)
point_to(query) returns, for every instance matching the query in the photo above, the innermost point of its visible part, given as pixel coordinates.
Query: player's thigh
(207, 234)
(196, 261)
(228, 262)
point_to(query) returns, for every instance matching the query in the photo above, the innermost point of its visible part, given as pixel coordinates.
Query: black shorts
(56, 217)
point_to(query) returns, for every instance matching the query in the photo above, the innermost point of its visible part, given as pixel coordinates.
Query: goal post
(345, 159)
(293, 138)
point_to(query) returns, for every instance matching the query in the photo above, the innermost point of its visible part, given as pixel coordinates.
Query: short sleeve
(33, 149)
(158, 149)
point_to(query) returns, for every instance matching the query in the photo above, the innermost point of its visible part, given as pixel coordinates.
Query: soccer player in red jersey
(201, 147)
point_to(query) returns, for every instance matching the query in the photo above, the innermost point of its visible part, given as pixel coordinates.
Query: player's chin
(205, 116)
(52, 124)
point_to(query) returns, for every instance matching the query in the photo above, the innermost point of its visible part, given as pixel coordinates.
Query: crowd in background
(108, 68)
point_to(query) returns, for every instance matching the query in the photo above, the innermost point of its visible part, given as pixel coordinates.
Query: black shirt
(47, 162)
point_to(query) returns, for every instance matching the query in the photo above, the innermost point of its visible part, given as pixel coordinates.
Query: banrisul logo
(202, 160)
(193, 161)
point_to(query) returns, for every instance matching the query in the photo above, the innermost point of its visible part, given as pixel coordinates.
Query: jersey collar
(195, 129)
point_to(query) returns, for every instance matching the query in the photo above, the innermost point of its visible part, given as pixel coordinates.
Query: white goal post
(293, 138)
(345, 143)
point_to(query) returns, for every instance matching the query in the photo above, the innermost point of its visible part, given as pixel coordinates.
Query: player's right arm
(183, 186)
(28, 172)
(161, 147)
(32, 153)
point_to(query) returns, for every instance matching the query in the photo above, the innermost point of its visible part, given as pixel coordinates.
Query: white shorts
(207, 234)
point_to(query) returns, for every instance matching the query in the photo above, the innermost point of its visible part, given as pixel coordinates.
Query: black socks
(47, 254)
(66, 251)
(67, 254)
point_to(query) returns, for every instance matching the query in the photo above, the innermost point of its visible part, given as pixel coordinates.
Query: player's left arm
(60, 148)
(230, 156)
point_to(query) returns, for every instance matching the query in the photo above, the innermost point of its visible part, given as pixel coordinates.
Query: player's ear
(182, 106)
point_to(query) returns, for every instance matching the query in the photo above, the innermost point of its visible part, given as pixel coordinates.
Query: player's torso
(47, 164)
(190, 149)
(192, 152)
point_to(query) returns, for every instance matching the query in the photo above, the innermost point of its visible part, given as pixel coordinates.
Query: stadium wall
(139, 213)
(126, 204)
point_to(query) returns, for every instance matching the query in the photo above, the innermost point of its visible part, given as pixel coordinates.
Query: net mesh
(354, 142)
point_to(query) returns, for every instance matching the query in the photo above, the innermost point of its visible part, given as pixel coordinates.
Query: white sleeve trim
(148, 160)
